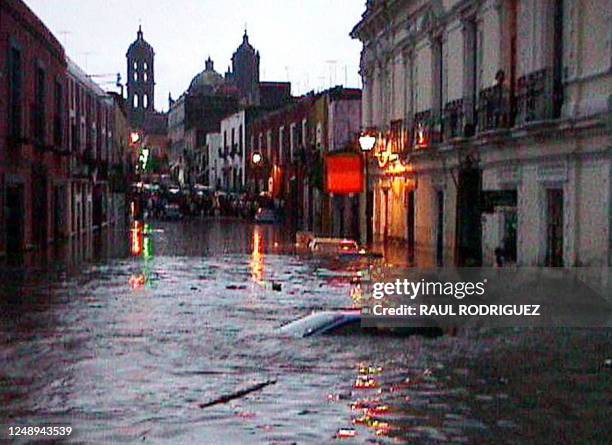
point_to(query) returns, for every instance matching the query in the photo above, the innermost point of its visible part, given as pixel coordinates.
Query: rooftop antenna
(321, 85)
(332, 68)
(64, 35)
(86, 54)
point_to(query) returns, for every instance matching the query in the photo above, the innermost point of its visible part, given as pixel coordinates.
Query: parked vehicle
(265, 216)
(172, 211)
(325, 322)
(333, 246)
(345, 322)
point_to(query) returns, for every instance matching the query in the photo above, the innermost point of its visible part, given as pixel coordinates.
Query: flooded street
(127, 349)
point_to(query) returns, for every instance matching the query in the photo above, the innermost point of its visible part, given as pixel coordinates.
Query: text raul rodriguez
(458, 290)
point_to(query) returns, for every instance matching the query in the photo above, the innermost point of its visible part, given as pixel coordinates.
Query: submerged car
(333, 246)
(344, 322)
(323, 322)
(267, 216)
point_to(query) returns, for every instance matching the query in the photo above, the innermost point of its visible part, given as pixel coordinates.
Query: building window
(58, 115)
(39, 106)
(135, 103)
(269, 144)
(292, 141)
(438, 77)
(281, 140)
(145, 101)
(144, 76)
(304, 131)
(15, 93)
(471, 44)
(240, 150)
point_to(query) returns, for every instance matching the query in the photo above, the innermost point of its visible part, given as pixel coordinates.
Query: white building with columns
(493, 124)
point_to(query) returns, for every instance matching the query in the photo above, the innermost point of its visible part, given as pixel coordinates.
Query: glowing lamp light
(366, 142)
(134, 137)
(256, 158)
(421, 137)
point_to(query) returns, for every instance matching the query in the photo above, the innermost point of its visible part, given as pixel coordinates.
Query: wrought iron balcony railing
(426, 129)
(494, 110)
(453, 119)
(535, 99)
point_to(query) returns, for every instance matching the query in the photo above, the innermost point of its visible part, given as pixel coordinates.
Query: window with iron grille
(39, 106)
(15, 115)
(58, 115)
(396, 133)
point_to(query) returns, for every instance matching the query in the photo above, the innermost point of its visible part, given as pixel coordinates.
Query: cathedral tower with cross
(140, 80)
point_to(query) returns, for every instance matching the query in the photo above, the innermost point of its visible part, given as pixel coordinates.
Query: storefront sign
(489, 199)
(344, 173)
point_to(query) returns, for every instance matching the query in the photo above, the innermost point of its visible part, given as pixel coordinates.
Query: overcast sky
(304, 41)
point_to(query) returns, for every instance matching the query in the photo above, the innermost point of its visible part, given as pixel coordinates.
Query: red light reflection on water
(136, 238)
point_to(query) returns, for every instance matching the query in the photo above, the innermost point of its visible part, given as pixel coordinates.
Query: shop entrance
(469, 227)
(410, 224)
(39, 207)
(554, 228)
(14, 218)
(440, 229)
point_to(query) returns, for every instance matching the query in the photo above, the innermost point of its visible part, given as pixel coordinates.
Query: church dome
(206, 81)
(140, 43)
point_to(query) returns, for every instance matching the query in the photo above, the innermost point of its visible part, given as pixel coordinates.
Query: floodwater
(126, 347)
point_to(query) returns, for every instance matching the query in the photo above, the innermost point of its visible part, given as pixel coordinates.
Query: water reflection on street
(125, 347)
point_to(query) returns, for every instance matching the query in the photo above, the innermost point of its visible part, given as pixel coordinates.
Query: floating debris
(346, 433)
(237, 394)
(236, 286)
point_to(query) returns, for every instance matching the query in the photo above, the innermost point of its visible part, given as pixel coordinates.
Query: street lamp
(256, 159)
(134, 137)
(367, 140)
(385, 186)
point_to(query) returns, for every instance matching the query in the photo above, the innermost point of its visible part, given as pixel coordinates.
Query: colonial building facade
(492, 123)
(62, 171)
(33, 144)
(293, 144)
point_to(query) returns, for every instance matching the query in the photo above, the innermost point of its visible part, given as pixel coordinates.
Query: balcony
(494, 110)
(426, 130)
(535, 99)
(454, 120)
